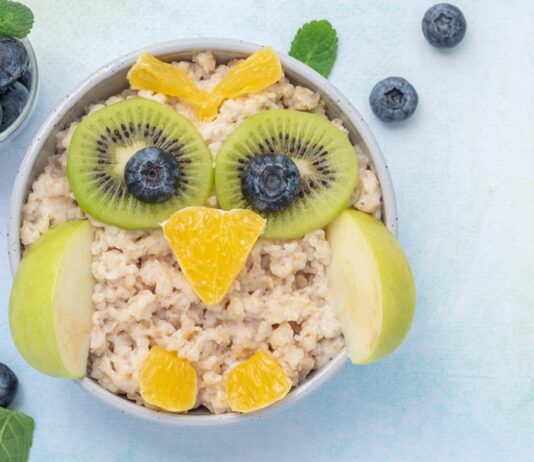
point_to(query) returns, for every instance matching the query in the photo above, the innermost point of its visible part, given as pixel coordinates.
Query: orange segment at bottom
(256, 383)
(167, 381)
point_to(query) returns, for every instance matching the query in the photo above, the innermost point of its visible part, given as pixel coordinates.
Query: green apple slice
(50, 306)
(372, 284)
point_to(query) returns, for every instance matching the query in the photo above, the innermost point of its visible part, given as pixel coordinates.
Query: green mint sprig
(315, 44)
(16, 19)
(16, 435)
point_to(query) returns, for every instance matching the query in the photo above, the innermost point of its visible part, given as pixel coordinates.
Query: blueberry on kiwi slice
(133, 163)
(294, 168)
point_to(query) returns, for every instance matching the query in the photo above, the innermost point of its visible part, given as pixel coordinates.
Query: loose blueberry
(270, 182)
(444, 25)
(9, 385)
(26, 79)
(152, 175)
(13, 61)
(12, 103)
(393, 99)
(1, 115)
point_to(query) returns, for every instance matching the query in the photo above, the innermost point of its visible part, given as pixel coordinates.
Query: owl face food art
(188, 217)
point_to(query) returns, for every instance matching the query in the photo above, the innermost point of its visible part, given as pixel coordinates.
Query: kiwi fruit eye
(322, 153)
(118, 155)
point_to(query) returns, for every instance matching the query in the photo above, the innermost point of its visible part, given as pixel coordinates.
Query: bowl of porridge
(281, 301)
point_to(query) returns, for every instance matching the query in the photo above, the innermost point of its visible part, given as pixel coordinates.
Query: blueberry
(12, 103)
(1, 115)
(9, 385)
(26, 79)
(444, 25)
(13, 61)
(270, 182)
(152, 175)
(393, 99)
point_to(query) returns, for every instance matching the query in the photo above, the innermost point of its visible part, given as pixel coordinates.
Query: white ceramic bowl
(110, 80)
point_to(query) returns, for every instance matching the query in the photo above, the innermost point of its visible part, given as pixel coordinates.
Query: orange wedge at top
(257, 72)
(212, 246)
(252, 75)
(149, 73)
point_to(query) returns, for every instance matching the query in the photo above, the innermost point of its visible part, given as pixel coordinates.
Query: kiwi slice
(323, 154)
(105, 141)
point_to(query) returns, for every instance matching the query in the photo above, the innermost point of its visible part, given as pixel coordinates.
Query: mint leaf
(16, 434)
(16, 19)
(316, 45)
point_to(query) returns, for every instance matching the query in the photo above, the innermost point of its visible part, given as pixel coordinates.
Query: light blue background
(461, 386)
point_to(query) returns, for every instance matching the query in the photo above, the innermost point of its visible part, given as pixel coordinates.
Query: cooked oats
(280, 301)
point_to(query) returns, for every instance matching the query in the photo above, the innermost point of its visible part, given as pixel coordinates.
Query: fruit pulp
(212, 246)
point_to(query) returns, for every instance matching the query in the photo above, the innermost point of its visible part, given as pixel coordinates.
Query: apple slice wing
(372, 285)
(51, 306)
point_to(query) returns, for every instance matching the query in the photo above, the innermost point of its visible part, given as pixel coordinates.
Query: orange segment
(257, 72)
(149, 73)
(256, 383)
(212, 246)
(208, 108)
(168, 381)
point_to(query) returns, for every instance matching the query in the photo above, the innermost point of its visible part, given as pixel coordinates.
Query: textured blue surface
(461, 386)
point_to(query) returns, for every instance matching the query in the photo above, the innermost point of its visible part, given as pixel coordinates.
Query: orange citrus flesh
(257, 72)
(256, 383)
(149, 73)
(254, 74)
(167, 381)
(212, 246)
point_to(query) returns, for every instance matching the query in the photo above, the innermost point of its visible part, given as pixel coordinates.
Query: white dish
(111, 79)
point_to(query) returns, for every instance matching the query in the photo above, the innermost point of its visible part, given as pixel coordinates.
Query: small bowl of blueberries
(19, 75)
(19, 84)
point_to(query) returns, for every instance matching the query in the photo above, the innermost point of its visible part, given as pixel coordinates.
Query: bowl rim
(239, 47)
(15, 128)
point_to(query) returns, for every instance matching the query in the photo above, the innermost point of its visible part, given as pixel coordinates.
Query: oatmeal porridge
(280, 302)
